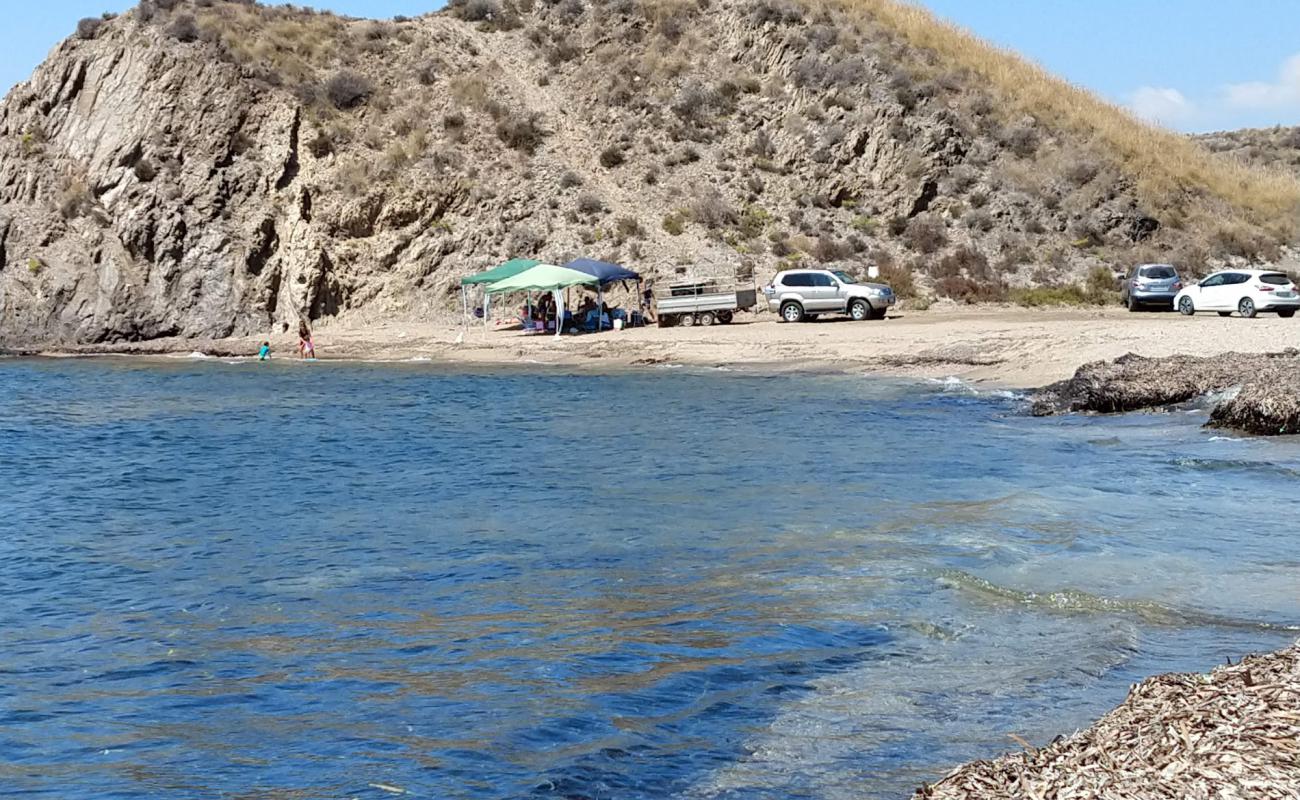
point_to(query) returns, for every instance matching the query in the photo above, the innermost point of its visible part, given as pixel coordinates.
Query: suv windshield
(1159, 273)
(844, 276)
(1275, 278)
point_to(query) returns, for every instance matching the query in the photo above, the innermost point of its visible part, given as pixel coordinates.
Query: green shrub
(674, 223)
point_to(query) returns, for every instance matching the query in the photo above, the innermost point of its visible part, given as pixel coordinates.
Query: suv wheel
(860, 310)
(1132, 304)
(1286, 313)
(792, 312)
(1246, 308)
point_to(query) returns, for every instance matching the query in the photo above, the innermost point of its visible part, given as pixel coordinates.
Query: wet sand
(1015, 348)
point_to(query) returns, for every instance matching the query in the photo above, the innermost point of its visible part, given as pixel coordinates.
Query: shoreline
(1231, 732)
(1003, 348)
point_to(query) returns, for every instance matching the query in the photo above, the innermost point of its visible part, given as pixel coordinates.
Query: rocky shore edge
(1260, 392)
(1232, 733)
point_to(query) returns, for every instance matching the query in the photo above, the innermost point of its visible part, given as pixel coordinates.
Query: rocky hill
(1275, 148)
(216, 168)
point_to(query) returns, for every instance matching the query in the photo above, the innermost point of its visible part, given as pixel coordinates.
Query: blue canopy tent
(603, 270)
(606, 273)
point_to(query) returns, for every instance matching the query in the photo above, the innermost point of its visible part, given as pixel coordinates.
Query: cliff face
(221, 168)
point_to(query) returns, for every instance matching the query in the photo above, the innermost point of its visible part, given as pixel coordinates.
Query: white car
(1246, 291)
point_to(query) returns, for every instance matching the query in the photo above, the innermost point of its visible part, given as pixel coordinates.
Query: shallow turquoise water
(278, 580)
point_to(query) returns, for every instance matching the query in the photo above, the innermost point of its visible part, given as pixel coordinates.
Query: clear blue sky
(1191, 64)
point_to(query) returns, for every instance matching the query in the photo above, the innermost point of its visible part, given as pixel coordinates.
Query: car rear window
(1158, 273)
(1275, 278)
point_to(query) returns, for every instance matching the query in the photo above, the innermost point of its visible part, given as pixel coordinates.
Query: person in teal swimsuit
(264, 352)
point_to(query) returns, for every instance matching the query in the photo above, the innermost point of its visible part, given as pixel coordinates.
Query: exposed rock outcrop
(217, 168)
(1232, 733)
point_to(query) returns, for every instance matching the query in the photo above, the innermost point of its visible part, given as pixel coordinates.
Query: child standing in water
(306, 348)
(264, 352)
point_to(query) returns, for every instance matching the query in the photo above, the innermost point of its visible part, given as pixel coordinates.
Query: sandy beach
(1016, 348)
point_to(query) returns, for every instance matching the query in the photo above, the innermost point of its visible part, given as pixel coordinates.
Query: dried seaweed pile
(1234, 733)
(1133, 382)
(1268, 405)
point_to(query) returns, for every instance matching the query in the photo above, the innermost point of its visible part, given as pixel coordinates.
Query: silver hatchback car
(1151, 285)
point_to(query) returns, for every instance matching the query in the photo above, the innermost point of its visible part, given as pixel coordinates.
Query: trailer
(703, 302)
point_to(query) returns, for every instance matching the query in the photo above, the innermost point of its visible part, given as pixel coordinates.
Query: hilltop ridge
(221, 168)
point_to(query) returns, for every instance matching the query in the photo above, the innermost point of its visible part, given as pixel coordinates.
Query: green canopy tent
(507, 270)
(545, 278)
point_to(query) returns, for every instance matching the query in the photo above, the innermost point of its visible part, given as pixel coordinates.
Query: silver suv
(800, 294)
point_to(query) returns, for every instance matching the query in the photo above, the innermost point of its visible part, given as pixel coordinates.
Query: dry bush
(629, 228)
(775, 12)
(570, 179)
(674, 224)
(612, 156)
(184, 28)
(894, 275)
(925, 234)
(524, 134)
(966, 290)
(88, 28)
(590, 204)
(76, 200)
(828, 249)
(475, 10)
(347, 89)
(713, 211)
(978, 220)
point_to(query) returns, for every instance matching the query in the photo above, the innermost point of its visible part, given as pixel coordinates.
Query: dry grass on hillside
(1170, 169)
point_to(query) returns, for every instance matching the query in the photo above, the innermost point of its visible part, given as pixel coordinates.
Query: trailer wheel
(686, 320)
(706, 318)
(724, 317)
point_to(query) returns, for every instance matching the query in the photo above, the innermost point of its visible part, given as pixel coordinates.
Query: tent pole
(600, 306)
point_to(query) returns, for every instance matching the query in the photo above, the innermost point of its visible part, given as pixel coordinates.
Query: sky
(1190, 65)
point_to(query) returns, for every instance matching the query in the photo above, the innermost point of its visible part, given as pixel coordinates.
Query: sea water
(346, 580)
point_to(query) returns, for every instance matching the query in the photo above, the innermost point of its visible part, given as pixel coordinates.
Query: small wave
(1226, 439)
(419, 358)
(1235, 465)
(954, 385)
(1076, 601)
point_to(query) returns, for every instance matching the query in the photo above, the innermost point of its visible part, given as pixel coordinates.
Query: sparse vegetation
(674, 224)
(523, 133)
(925, 234)
(88, 28)
(612, 156)
(347, 89)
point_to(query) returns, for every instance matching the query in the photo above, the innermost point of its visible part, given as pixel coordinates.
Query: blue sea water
(345, 580)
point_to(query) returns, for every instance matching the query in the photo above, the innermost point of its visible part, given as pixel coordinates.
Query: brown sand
(1007, 347)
